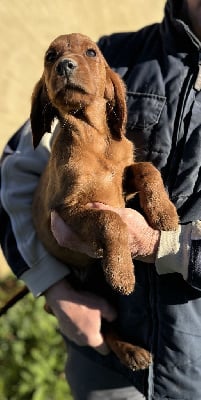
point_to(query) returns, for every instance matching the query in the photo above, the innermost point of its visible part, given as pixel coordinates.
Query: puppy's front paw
(164, 217)
(121, 277)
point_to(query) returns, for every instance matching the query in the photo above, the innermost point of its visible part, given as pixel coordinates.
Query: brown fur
(92, 161)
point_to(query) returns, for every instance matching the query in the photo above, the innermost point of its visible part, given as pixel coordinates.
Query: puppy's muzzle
(66, 67)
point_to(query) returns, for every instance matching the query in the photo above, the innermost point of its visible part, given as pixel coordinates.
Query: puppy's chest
(95, 177)
(93, 169)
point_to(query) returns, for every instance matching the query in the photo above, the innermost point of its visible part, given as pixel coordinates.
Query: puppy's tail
(13, 300)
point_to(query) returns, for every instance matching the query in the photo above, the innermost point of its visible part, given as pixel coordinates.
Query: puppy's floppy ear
(115, 94)
(42, 112)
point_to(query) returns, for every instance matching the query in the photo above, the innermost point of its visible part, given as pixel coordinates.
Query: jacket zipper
(174, 158)
(197, 85)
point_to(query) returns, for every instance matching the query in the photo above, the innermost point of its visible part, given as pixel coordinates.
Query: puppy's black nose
(66, 67)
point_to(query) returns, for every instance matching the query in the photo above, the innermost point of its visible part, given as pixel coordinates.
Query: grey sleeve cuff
(46, 273)
(174, 251)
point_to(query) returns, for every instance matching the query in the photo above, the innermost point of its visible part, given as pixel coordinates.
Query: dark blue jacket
(160, 66)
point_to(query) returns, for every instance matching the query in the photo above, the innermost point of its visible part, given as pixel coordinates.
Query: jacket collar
(177, 17)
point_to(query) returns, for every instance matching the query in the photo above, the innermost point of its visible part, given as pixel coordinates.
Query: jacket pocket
(144, 110)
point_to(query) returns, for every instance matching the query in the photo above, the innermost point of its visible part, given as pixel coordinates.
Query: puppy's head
(75, 75)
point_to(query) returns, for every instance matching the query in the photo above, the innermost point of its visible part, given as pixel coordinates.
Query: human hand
(79, 315)
(65, 237)
(143, 239)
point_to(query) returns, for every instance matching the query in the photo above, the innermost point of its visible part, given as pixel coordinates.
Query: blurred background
(26, 29)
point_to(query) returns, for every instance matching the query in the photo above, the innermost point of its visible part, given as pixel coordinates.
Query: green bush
(32, 353)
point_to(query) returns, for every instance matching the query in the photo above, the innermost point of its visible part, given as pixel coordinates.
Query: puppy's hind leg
(134, 357)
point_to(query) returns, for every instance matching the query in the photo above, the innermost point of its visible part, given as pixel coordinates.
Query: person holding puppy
(161, 67)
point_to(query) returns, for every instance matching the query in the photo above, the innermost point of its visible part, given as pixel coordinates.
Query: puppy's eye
(51, 56)
(91, 53)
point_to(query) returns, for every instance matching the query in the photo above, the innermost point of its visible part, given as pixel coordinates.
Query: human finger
(66, 237)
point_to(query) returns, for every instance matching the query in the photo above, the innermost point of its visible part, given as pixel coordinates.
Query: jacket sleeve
(180, 252)
(20, 173)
